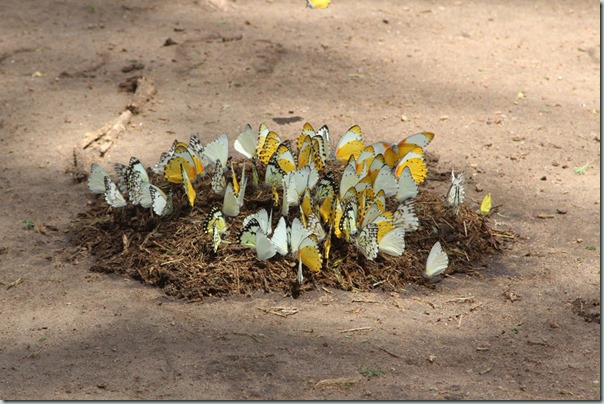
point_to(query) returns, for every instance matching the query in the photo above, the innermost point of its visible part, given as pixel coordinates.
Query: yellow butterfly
(415, 161)
(191, 154)
(421, 139)
(269, 145)
(305, 246)
(317, 4)
(188, 186)
(234, 194)
(181, 154)
(350, 144)
(485, 205)
(215, 225)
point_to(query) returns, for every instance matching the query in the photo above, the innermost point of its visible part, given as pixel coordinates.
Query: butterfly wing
(161, 203)
(485, 205)
(393, 242)
(407, 187)
(437, 261)
(216, 150)
(246, 142)
(350, 144)
(96, 179)
(113, 196)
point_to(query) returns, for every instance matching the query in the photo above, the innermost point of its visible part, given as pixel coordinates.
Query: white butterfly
(267, 248)
(456, 193)
(407, 187)
(393, 242)
(437, 261)
(405, 217)
(216, 150)
(162, 203)
(218, 180)
(385, 180)
(366, 241)
(136, 177)
(113, 196)
(247, 142)
(294, 184)
(96, 179)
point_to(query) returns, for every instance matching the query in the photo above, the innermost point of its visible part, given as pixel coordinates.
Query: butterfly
(407, 187)
(306, 249)
(456, 193)
(234, 193)
(96, 179)
(485, 205)
(267, 146)
(385, 180)
(325, 187)
(281, 162)
(251, 223)
(268, 247)
(350, 144)
(216, 150)
(348, 222)
(366, 241)
(161, 203)
(136, 176)
(404, 216)
(188, 186)
(319, 142)
(218, 180)
(113, 196)
(317, 4)
(392, 242)
(349, 179)
(415, 161)
(215, 225)
(181, 154)
(294, 184)
(246, 144)
(421, 139)
(191, 153)
(437, 261)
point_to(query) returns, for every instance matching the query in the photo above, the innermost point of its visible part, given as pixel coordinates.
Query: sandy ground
(511, 90)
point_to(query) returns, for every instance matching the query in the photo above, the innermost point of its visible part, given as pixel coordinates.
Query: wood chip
(544, 216)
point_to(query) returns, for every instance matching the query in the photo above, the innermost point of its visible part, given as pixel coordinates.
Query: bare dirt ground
(511, 90)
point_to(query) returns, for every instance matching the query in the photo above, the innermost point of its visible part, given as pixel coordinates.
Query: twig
(364, 301)
(357, 329)
(388, 352)
(461, 299)
(11, 284)
(280, 311)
